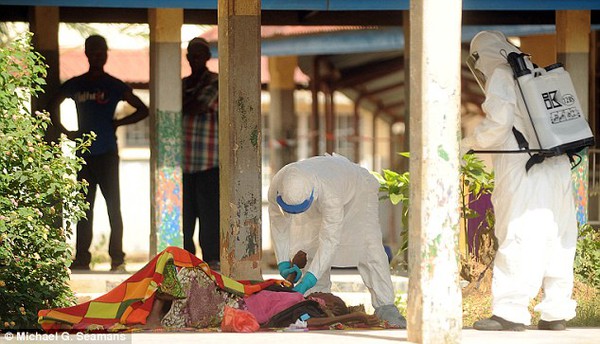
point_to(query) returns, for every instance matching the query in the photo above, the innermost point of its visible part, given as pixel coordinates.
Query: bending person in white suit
(327, 206)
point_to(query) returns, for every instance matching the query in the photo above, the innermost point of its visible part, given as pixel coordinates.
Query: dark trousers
(201, 201)
(101, 170)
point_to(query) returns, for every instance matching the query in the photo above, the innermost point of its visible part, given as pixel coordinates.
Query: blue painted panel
(192, 4)
(308, 5)
(320, 5)
(316, 5)
(517, 5)
(366, 5)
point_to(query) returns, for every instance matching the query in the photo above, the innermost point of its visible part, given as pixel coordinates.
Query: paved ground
(572, 336)
(346, 284)
(469, 336)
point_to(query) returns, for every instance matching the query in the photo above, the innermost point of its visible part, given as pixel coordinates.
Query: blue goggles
(295, 208)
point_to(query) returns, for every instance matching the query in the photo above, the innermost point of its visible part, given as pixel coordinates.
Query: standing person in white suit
(327, 206)
(536, 224)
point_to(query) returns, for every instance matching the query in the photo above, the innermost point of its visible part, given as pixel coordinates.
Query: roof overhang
(348, 51)
(319, 5)
(370, 40)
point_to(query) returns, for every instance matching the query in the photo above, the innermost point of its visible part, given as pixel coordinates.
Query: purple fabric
(474, 225)
(264, 304)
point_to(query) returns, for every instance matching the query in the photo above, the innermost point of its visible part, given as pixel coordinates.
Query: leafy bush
(395, 187)
(477, 270)
(587, 313)
(587, 258)
(39, 196)
(476, 182)
(401, 302)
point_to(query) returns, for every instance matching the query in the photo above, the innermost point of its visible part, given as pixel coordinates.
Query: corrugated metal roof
(133, 66)
(333, 40)
(268, 31)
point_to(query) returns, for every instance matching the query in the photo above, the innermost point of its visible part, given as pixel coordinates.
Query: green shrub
(40, 197)
(476, 182)
(401, 302)
(587, 258)
(587, 313)
(477, 296)
(395, 187)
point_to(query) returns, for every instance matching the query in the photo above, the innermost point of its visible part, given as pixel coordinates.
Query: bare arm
(140, 113)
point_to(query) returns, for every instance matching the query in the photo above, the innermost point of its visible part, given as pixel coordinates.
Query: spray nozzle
(517, 63)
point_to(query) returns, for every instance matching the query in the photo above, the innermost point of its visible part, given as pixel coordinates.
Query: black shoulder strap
(523, 144)
(535, 159)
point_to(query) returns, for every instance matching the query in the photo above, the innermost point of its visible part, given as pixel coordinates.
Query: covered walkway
(434, 103)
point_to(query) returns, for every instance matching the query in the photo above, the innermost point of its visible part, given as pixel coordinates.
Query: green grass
(477, 305)
(588, 306)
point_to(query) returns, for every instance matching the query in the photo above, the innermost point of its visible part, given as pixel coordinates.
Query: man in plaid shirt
(201, 154)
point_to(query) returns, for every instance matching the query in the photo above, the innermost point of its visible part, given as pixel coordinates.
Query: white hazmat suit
(535, 212)
(334, 219)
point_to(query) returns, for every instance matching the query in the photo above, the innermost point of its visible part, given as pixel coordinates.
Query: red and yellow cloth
(130, 302)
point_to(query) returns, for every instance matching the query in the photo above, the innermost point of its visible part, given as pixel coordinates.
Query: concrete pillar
(44, 25)
(542, 49)
(329, 120)
(404, 163)
(283, 123)
(240, 138)
(356, 129)
(315, 86)
(165, 128)
(594, 88)
(573, 50)
(434, 296)
(374, 165)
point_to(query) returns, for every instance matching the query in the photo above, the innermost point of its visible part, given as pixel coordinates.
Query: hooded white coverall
(536, 224)
(340, 228)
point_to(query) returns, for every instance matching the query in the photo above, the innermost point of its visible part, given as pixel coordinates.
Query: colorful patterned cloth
(204, 303)
(130, 302)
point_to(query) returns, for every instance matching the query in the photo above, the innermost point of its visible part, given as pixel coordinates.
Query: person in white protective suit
(536, 224)
(327, 206)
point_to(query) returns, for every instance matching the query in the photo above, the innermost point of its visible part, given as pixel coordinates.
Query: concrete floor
(469, 336)
(97, 282)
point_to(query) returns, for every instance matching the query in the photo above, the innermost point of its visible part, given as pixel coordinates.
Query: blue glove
(283, 266)
(285, 270)
(308, 282)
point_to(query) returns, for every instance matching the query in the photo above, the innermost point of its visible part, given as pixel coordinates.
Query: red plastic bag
(237, 320)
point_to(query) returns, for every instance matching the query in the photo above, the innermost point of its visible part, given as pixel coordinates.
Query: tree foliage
(587, 257)
(40, 197)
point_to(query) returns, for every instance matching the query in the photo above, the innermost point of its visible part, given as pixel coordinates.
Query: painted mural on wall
(169, 180)
(580, 187)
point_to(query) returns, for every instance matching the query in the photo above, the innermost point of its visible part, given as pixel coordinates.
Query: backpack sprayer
(557, 121)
